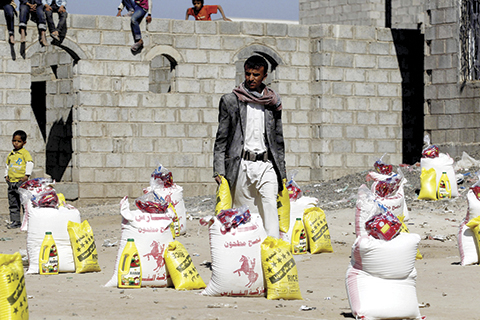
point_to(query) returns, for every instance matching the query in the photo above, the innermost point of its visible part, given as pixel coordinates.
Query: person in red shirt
(201, 12)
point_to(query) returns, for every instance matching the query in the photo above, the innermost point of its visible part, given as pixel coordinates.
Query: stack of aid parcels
(158, 219)
(437, 179)
(46, 211)
(468, 232)
(381, 277)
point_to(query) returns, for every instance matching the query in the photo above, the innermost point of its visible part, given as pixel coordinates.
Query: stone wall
(110, 116)
(451, 109)
(403, 14)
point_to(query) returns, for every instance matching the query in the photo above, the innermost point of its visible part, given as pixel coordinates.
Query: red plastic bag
(161, 176)
(294, 191)
(151, 203)
(430, 151)
(383, 226)
(381, 167)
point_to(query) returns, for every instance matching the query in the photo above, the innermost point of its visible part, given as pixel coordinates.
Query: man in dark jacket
(249, 148)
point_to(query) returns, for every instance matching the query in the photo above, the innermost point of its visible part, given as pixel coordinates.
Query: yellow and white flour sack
(442, 163)
(181, 269)
(466, 240)
(55, 220)
(236, 258)
(84, 247)
(223, 197)
(428, 187)
(13, 294)
(318, 235)
(297, 209)
(373, 298)
(152, 234)
(280, 270)
(283, 209)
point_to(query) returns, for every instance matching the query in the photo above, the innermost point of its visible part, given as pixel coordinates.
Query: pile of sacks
(245, 262)
(160, 217)
(45, 210)
(381, 277)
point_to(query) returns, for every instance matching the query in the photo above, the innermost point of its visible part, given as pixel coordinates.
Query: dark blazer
(230, 139)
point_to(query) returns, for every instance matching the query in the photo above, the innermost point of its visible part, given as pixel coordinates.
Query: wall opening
(38, 102)
(162, 73)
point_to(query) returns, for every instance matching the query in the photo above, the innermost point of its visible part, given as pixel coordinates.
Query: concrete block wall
(358, 12)
(339, 85)
(357, 115)
(451, 104)
(402, 14)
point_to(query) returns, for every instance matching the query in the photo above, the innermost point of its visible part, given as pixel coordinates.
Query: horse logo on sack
(157, 254)
(248, 267)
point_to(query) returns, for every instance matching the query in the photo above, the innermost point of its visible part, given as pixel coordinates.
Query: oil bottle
(444, 191)
(129, 268)
(48, 259)
(299, 238)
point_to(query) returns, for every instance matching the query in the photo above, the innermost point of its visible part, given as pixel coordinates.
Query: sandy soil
(448, 289)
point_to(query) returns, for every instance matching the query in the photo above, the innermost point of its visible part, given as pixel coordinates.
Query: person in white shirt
(249, 147)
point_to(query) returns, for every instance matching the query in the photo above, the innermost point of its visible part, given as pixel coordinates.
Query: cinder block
(276, 29)
(226, 27)
(355, 161)
(82, 21)
(89, 37)
(232, 43)
(192, 146)
(365, 61)
(387, 62)
(389, 119)
(108, 23)
(196, 56)
(142, 145)
(160, 25)
(344, 117)
(189, 115)
(183, 26)
(115, 130)
(253, 28)
(209, 42)
(198, 131)
(188, 86)
(286, 44)
(343, 31)
(343, 89)
(297, 31)
(299, 146)
(331, 45)
(365, 33)
(341, 146)
(185, 42)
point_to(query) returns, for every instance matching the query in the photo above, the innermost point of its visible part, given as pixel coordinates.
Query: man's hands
(48, 8)
(33, 7)
(149, 19)
(218, 179)
(25, 178)
(62, 9)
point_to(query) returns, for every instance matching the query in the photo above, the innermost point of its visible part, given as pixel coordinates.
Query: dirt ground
(445, 289)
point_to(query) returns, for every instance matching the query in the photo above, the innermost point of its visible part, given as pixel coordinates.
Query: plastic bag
(318, 235)
(83, 245)
(384, 226)
(223, 198)
(428, 189)
(430, 151)
(283, 209)
(294, 191)
(45, 199)
(13, 293)
(280, 270)
(181, 269)
(232, 218)
(389, 186)
(151, 203)
(381, 167)
(161, 177)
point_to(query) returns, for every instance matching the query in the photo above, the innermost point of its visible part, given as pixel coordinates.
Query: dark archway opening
(59, 148)
(38, 96)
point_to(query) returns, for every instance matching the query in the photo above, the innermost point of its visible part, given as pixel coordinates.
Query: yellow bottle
(444, 191)
(299, 238)
(48, 259)
(129, 268)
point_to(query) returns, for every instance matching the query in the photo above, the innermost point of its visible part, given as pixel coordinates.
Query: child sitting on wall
(201, 12)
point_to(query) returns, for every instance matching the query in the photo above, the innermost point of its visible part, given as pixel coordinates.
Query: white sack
(466, 162)
(55, 220)
(152, 235)
(467, 244)
(236, 259)
(364, 210)
(297, 208)
(393, 259)
(443, 163)
(376, 298)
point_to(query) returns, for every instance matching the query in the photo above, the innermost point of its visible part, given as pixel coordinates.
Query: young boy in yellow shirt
(18, 169)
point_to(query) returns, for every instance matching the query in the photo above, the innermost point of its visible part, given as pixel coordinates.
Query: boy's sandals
(54, 35)
(136, 46)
